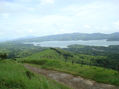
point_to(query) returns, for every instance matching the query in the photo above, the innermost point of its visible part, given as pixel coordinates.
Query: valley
(95, 65)
(59, 44)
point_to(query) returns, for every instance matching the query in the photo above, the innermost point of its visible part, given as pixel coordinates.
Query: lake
(64, 44)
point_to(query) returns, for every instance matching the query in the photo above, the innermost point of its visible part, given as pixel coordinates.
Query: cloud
(5, 15)
(30, 30)
(43, 2)
(87, 26)
(83, 8)
(46, 17)
(116, 24)
(1, 33)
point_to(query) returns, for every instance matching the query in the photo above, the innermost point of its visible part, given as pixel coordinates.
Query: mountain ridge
(74, 36)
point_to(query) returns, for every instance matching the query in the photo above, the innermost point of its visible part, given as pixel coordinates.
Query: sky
(22, 18)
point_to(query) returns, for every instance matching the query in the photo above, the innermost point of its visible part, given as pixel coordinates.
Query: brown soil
(70, 80)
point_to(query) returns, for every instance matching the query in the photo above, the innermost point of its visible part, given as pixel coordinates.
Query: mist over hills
(74, 36)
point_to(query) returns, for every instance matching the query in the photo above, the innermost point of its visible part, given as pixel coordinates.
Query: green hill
(51, 53)
(60, 60)
(66, 56)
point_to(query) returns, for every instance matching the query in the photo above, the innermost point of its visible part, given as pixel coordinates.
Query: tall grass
(14, 76)
(91, 72)
(50, 59)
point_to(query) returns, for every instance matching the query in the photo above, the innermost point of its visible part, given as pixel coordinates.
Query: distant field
(14, 76)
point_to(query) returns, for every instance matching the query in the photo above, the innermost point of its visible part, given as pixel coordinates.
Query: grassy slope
(53, 54)
(14, 76)
(91, 72)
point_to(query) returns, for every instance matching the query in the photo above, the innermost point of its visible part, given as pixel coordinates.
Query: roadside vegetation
(13, 75)
(52, 62)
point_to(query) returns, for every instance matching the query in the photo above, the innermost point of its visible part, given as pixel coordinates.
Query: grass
(91, 72)
(13, 75)
(47, 54)
(50, 59)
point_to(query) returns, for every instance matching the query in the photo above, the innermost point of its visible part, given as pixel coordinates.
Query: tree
(118, 68)
(3, 56)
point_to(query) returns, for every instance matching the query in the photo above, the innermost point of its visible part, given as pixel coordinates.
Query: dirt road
(70, 80)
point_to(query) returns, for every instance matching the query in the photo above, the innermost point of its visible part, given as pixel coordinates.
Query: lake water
(64, 44)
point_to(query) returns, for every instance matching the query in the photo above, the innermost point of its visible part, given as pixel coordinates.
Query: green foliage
(14, 76)
(48, 54)
(59, 54)
(91, 72)
(18, 50)
(3, 56)
(56, 61)
(107, 57)
(77, 60)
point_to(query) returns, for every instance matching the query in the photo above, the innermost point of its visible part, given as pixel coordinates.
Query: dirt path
(70, 80)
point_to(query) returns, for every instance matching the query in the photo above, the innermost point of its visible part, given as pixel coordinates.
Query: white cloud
(43, 2)
(116, 24)
(1, 33)
(52, 19)
(41, 17)
(87, 26)
(78, 9)
(30, 30)
(5, 15)
(24, 0)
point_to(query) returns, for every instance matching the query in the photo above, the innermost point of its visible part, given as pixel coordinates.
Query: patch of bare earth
(70, 80)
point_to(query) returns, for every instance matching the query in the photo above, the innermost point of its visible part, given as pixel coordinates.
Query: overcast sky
(19, 18)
